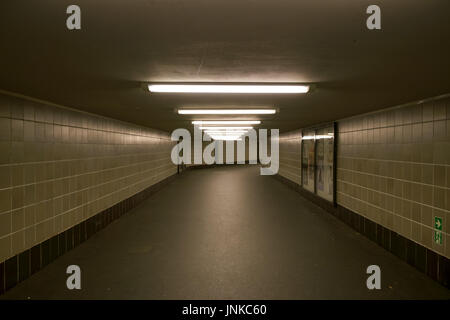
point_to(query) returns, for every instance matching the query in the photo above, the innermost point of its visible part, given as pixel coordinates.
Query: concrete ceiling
(100, 68)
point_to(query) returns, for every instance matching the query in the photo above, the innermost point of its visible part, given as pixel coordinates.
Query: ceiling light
(227, 138)
(227, 122)
(228, 88)
(225, 128)
(227, 111)
(226, 132)
(317, 137)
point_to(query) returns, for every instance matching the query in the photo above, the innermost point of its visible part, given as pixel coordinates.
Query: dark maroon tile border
(429, 262)
(23, 265)
(2, 278)
(11, 272)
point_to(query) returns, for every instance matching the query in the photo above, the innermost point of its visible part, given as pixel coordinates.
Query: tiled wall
(59, 167)
(290, 159)
(394, 169)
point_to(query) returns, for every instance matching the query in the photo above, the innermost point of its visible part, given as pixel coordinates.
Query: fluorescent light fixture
(201, 122)
(234, 132)
(317, 137)
(228, 88)
(225, 128)
(227, 111)
(227, 138)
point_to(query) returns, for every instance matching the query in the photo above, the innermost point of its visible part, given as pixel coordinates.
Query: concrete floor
(228, 233)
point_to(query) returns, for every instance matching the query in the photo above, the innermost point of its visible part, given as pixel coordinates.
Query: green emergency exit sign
(438, 223)
(438, 230)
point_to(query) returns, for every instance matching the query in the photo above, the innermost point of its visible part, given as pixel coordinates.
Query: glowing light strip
(227, 122)
(317, 137)
(228, 138)
(225, 128)
(227, 111)
(228, 88)
(226, 132)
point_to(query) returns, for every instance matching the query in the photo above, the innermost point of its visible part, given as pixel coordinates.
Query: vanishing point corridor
(226, 159)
